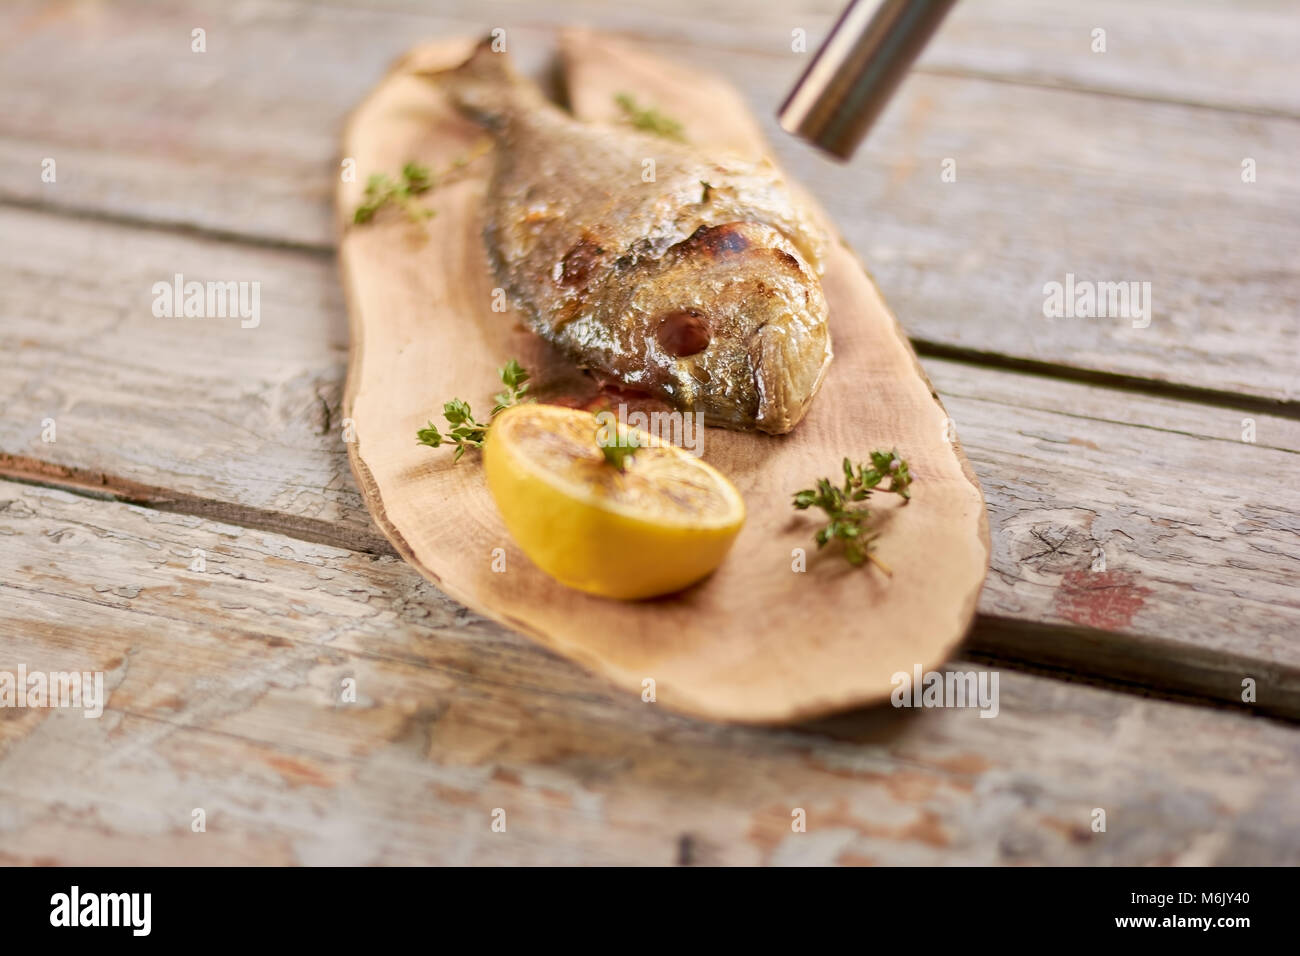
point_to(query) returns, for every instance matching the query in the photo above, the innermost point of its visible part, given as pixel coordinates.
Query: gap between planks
(262, 447)
(966, 33)
(245, 722)
(1147, 171)
(926, 348)
(1020, 645)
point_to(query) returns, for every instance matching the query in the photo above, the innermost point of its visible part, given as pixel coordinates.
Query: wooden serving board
(756, 642)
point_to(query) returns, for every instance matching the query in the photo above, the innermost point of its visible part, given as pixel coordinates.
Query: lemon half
(661, 524)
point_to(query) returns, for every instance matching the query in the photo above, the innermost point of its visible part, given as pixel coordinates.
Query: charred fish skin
(700, 286)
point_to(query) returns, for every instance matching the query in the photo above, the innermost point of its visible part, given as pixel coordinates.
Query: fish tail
(484, 86)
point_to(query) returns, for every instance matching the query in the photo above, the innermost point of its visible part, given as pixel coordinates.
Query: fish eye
(683, 332)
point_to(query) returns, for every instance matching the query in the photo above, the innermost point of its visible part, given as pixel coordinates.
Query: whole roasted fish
(699, 286)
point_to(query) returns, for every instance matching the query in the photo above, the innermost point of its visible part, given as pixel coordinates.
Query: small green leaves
(457, 411)
(466, 431)
(884, 464)
(649, 119)
(616, 442)
(619, 448)
(416, 178)
(382, 190)
(846, 522)
(430, 436)
(515, 380)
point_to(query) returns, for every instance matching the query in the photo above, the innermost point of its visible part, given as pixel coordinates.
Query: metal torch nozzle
(857, 69)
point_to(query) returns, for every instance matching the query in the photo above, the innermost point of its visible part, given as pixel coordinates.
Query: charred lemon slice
(663, 521)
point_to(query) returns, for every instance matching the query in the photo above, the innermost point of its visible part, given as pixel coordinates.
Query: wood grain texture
(199, 412)
(1091, 167)
(755, 641)
(265, 403)
(1067, 161)
(1149, 525)
(225, 694)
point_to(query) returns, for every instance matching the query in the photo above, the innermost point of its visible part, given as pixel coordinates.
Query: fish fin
(483, 86)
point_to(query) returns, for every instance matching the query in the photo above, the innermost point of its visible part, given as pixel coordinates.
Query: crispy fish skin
(699, 287)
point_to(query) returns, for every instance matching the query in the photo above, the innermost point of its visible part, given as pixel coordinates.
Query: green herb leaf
(429, 435)
(620, 450)
(466, 431)
(417, 178)
(650, 120)
(382, 190)
(515, 380)
(846, 520)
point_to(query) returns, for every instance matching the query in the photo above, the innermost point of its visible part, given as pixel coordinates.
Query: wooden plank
(1126, 555)
(1205, 52)
(200, 415)
(1243, 50)
(225, 695)
(1050, 182)
(169, 410)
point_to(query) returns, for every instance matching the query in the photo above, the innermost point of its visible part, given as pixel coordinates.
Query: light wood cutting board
(756, 642)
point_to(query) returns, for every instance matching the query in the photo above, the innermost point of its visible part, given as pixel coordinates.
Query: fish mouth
(732, 323)
(785, 352)
(785, 378)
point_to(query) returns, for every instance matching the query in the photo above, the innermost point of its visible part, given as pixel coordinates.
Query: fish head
(736, 326)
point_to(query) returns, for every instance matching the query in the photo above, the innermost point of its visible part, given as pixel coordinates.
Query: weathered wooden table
(177, 509)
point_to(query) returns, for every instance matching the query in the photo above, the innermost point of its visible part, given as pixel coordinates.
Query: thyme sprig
(466, 431)
(382, 189)
(649, 118)
(515, 380)
(846, 518)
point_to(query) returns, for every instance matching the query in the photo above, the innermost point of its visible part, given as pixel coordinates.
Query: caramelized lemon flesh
(664, 522)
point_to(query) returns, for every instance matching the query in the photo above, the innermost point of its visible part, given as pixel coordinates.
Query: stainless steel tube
(857, 70)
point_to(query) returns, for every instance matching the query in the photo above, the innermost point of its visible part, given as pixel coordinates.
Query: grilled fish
(699, 287)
